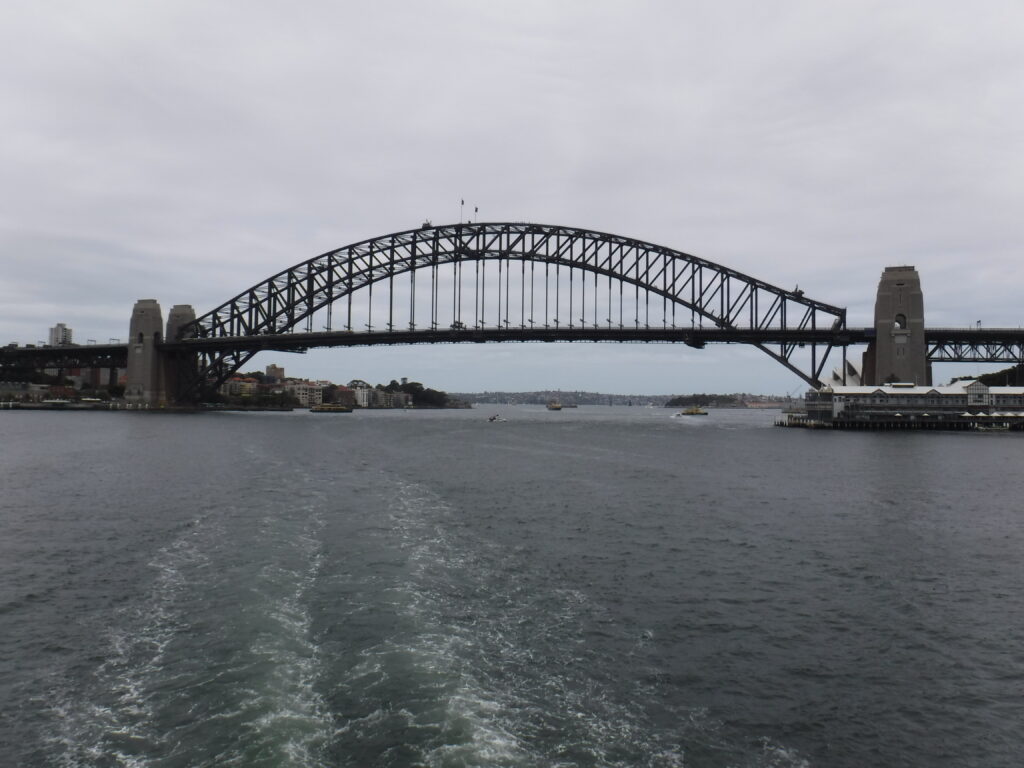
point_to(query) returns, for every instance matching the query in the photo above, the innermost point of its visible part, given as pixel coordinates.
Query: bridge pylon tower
(180, 367)
(898, 352)
(155, 375)
(144, 384)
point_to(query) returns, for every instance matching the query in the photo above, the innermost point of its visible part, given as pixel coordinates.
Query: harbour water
(590, 587)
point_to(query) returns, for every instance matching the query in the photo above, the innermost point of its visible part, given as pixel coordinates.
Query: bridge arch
(286, 302)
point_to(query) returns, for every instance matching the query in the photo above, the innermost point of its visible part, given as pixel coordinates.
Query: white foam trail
(137, 640)
(138, 685)
(515, 662)
(292, 710)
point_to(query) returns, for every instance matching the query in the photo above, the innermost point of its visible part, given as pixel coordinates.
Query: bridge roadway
(995, 345)
(70, 356)
(695, 337)
(944, 344)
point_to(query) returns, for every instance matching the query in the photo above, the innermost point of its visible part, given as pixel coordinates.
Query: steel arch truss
(699, 292)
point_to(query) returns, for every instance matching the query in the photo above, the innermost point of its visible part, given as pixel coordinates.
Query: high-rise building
(60, 335)
(275, 372)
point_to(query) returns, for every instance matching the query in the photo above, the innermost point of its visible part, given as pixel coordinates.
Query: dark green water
(590, 587)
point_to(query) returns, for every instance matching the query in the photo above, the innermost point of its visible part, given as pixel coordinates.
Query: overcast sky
(185, 150)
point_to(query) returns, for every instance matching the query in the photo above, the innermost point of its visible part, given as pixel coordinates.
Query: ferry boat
(693, 410)
(554, 405)
(331, 408)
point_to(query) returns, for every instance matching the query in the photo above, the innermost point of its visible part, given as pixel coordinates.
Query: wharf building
(962, 405)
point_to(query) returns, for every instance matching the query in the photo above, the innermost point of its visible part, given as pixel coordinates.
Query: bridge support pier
(145, 385)
(898, 352)
(155, 375)
(179, 368)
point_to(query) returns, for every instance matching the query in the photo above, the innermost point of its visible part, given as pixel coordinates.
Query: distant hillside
(539, 397)
(1008, 377)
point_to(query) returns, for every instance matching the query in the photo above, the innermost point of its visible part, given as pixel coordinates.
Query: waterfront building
(23, 391)
(240, 386)
(381, 398)
(847, 374)
(366, 396)
(344, 396)
(306, 392)
(959, 404)
(17, 390)
(362, 393)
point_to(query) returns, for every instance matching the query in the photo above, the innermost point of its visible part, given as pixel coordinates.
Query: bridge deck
(692, 336)
(945, 344)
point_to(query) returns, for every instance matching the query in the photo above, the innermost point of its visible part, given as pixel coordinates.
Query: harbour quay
(967, 405)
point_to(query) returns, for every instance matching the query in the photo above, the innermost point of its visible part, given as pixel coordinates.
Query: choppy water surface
(591, 587)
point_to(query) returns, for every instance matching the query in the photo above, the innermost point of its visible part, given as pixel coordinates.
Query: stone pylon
(179, 368)
(145, 383)
(898, 352)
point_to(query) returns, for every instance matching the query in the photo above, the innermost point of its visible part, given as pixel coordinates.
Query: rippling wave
(604, 587)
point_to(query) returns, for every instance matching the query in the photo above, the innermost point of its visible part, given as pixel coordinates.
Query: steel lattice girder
(976, 352)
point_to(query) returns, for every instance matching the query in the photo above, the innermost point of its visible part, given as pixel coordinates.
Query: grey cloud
(193, 149)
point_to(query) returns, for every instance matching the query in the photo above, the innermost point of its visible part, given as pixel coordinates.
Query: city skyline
(183, 153)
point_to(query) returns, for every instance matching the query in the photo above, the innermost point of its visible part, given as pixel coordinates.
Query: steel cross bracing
(967, 352)
(975, 345)
(491, 276)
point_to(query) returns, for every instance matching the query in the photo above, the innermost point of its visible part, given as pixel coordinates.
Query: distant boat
(554, 405)
(992, 427)
(693, 410)
(331, 408)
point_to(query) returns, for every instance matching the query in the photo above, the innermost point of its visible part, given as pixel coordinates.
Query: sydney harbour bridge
(513, 282)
